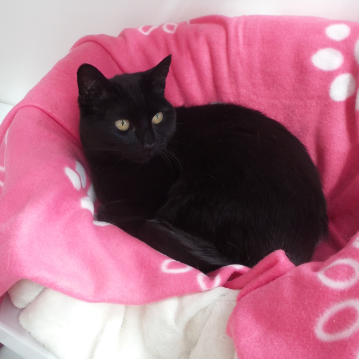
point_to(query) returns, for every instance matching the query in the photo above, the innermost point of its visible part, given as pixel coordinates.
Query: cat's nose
(149, 146)
(148, 141)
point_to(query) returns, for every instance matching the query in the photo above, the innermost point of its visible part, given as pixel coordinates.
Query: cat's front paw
(125, 217)
(102, 214)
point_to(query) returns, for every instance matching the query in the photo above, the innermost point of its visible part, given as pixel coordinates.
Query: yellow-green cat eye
(122, 125)
(157, 118)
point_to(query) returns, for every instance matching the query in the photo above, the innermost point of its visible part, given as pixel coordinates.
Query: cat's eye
(157, 118)
(122, 125)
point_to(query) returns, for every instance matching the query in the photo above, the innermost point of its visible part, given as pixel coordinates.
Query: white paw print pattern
(340, 275)
(328, 316)
(169, 28)
(170, 266)
(342, 283)
(78, 179)
(180, 268)
(329, 59)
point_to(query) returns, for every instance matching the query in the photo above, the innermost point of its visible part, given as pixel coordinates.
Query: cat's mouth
(145, 156)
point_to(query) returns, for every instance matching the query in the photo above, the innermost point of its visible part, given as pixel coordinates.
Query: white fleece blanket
(192, 326)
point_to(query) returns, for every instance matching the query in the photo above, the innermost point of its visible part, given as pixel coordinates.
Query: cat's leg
(182, 246)
(123, 215)
(163, 237)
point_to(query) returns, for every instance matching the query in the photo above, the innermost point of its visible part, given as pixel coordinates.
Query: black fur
(209, 186)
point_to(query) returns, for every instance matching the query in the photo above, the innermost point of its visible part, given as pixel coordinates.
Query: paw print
(78, 179)
(339, 312)
(329, 59)
(340, 320)
(170, 266)
(170, 28)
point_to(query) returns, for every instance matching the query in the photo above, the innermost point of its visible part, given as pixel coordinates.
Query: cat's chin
(144, 159)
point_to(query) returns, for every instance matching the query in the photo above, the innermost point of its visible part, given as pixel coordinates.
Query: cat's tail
(182, 246)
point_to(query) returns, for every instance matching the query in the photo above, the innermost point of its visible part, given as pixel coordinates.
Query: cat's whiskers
(168, 161)
(175, 158)
(172, 157)
(182, 143)
(232, 245)
(177, 152)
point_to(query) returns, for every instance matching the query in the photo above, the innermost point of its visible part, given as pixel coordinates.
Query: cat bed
(301, 71)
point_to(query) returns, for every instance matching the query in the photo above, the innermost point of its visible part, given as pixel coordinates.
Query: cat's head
(127, 116)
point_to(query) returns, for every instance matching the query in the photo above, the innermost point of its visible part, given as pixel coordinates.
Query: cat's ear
(158, 74)
(92, 84)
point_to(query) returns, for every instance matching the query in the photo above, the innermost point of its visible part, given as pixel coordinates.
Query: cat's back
(237, 137)
(230, 119)
(251, 177)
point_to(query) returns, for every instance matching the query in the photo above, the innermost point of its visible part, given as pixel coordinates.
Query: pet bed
(70, 271)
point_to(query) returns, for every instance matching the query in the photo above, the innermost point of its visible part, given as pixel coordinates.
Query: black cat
(207, 185)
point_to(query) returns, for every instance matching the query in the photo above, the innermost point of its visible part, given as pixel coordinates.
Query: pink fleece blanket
(302, 72)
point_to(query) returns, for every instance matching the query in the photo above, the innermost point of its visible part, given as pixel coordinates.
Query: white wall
(35, 34)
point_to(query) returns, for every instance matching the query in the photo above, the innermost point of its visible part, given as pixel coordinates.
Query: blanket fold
(301, 71)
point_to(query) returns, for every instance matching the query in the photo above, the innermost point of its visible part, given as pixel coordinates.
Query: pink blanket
(302, 72)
